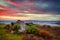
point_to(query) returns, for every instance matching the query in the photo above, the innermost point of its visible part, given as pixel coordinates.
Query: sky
(29, 9)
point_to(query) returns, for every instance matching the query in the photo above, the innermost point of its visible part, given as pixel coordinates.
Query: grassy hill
(50, 32)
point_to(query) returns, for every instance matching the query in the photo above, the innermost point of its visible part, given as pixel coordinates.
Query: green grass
(2, 25)
(8, 36)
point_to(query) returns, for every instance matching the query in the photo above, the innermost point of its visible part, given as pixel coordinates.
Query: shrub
(32, 29)
(46, 34)
(12, 23)
(16, 27)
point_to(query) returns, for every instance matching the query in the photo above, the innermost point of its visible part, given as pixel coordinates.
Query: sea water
(51, 23)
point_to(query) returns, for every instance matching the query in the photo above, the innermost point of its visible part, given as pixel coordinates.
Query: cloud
(32, 17)
(2, 2)
(17, 0)
(42, 5)
(37, 5)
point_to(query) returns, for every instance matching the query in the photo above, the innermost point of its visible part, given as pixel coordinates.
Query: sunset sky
(29, 9)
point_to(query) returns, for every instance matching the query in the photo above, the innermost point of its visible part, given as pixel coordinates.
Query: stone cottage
(22, 25)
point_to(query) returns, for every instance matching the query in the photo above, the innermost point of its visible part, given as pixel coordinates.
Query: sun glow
(14, 18)
(32, 17)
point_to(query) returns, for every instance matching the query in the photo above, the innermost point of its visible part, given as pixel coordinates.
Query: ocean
(51, 23)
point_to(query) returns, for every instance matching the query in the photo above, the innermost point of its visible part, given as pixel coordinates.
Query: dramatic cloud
(41, 5)
(10, 9)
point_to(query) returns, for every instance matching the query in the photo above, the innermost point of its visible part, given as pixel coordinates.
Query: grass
(2, 25)
(8, 36)
(57, 32)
